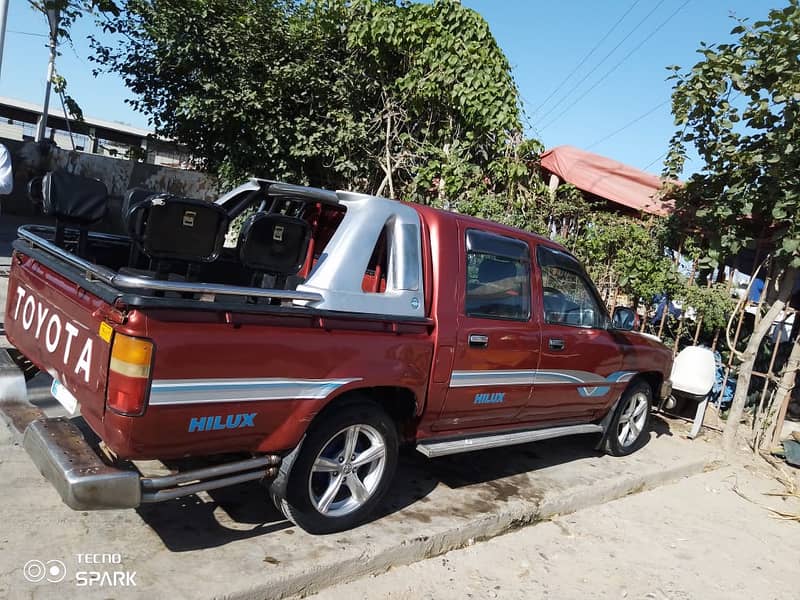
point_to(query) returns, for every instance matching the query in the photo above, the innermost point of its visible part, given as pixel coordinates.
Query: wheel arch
(653, 378)
(399, 402)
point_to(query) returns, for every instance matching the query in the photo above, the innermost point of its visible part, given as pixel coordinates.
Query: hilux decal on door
(493, 398)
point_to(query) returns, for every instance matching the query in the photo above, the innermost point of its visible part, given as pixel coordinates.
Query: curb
(507, 517)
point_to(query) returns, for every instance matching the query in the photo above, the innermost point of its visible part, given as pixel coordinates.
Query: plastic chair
(693, 375)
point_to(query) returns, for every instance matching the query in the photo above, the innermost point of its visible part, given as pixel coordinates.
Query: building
(621, 187)
(18, 121)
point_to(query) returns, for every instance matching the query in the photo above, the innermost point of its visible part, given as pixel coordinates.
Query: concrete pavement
(694, 539)
(232, 543)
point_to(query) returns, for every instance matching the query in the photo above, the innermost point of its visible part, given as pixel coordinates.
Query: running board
(435, 449)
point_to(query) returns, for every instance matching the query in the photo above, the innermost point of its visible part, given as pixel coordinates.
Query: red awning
(608, 179)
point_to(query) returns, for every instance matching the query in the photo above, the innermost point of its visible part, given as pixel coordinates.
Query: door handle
(478, 340)
(555, 344)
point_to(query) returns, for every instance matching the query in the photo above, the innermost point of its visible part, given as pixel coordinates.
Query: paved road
(695, 539)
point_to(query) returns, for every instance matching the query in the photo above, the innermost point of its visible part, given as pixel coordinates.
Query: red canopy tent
(608, 179)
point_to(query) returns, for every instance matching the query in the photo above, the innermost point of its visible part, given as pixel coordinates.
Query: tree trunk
(748, 359)
(784, 394)
(697, 329)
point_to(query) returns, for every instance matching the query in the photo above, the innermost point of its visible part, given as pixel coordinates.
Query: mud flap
(606, 421)
(277, 487)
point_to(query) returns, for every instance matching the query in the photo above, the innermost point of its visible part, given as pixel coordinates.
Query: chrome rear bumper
(84, 481)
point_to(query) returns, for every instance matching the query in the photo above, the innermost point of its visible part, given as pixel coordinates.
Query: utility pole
(52, 17)
(3, 19)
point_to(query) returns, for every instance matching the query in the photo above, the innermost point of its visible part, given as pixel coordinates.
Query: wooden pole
(697, 330)
(682, 318)
(614, 299)
(785, 387)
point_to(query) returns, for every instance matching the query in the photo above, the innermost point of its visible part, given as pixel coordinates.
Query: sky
(591, 73)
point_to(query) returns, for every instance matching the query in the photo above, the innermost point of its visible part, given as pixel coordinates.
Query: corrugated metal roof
(608, 179)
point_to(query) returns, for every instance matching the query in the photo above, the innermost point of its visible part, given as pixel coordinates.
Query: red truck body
(224, 381)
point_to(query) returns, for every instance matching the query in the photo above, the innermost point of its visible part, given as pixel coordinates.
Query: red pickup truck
(298, 336)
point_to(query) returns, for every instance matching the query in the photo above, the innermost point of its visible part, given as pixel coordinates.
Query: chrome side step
(434, 449)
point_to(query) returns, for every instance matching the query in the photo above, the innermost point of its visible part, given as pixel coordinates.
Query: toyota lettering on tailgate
(38, 318)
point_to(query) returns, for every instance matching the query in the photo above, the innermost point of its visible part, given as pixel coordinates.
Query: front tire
(342, 471)
(630, 426)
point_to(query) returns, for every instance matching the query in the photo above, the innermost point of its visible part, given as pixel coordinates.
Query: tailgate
(57, 325)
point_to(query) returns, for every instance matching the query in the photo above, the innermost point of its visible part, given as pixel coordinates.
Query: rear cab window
(498, 273)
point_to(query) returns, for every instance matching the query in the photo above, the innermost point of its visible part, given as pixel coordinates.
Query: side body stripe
(203, 391)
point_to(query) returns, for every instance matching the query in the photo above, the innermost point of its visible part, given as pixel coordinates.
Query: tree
(626, 253)
(410, 100)
(452, 108)
(738, 108)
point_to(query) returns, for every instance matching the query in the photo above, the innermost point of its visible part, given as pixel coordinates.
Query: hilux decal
(598, 386)
(493, 398)
(215, 422)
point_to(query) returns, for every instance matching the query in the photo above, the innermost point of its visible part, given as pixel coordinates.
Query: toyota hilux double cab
(298, 336)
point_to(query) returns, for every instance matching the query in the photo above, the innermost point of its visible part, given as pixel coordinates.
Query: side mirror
(623, 318)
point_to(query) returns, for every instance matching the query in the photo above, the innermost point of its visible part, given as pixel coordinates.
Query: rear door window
(498, 277)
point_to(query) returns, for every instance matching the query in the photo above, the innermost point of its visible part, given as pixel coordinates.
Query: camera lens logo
(35, 571)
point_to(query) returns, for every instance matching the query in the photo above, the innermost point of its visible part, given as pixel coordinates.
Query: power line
(44, 35)
(604, 59)
(654, 161)
(624, 127)
(586, 57)
(617, 65)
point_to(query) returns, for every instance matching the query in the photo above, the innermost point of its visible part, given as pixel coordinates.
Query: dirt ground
(695, 539)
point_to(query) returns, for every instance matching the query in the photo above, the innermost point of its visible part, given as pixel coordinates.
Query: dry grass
(788, 480)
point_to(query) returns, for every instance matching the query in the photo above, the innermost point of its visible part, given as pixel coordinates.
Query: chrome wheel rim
(632, 420)
(347, 470)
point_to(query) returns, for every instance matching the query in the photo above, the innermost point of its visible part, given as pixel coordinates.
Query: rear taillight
(129, 375)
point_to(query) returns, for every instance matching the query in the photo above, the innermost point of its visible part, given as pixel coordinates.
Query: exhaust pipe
(169, 487)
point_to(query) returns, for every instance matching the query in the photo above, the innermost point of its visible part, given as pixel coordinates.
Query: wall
(30, 160)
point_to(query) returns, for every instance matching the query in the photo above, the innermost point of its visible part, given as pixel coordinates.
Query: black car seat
(74, 200)
(172, 230)
(275, 245)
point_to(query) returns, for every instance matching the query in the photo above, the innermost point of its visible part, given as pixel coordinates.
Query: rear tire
(342, 470)
(630, 427)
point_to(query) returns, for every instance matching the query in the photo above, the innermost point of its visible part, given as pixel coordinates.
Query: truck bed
(276, 359)
(214, 296)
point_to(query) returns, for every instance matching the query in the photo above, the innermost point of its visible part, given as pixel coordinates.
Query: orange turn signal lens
(131, 356)
(129, 375)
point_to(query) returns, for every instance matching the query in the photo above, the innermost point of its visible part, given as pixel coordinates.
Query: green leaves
(738, 109)
(322, 92)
